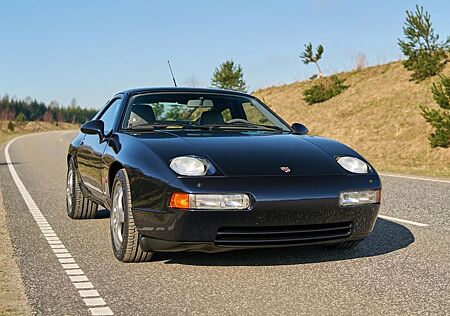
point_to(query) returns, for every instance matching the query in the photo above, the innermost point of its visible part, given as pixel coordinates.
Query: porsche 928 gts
(188, 169)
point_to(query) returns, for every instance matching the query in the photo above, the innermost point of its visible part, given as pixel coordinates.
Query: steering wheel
(237, 120)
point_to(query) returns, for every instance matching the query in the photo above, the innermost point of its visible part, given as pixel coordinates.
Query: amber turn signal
(179, 200)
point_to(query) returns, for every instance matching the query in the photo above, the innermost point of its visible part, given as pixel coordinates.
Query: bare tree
(28, 100)
(360, 61)
(192, 81)
(47, 117)
(73, 103)
(53, 104)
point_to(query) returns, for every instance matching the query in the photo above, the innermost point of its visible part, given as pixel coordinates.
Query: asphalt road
(400, 269)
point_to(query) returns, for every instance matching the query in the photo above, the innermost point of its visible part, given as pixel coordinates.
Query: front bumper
(286, 211)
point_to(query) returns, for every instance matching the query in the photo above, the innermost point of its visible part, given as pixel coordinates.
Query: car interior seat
(211, 117)
(141, 114)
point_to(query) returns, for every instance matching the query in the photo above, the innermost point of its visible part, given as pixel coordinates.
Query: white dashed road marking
(393, 175)
(405, 221)
(96, 304)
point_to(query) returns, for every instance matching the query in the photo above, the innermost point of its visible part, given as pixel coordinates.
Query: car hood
(253, 153)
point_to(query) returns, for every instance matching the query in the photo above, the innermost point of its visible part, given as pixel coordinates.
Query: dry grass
(13, 300)
(378, 115)
(31, 127)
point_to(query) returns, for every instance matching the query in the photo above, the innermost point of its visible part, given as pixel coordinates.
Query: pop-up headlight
(189, 166)
(353, 164)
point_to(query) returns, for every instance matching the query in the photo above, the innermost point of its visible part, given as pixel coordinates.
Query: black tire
(124, 234)
(77, 206)
(346, 244)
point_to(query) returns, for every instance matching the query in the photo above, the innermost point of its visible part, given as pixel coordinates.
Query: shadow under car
(386, 237)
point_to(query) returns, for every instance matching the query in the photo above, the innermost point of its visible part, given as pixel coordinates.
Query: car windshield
(198, 111)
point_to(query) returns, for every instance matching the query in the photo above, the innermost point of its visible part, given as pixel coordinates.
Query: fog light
(213, 201)
(359, 197)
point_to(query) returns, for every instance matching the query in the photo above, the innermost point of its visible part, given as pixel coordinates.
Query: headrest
(141, 114)
(211, 117)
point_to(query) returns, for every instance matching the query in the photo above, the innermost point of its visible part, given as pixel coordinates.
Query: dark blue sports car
(214, 170)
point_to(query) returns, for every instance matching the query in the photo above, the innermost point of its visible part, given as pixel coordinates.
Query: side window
(226, 115)
(108, 117)
(254, 115)
(195, 115)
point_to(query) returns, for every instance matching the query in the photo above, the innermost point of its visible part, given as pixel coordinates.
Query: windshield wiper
(153, 126)
(245, 126)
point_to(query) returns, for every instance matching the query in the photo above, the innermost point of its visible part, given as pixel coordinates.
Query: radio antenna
(171, 72)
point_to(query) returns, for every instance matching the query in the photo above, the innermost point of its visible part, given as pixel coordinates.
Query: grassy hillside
(31, 127)
(378, 115)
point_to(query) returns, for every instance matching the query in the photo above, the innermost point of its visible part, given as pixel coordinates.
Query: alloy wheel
(117, 216)
(70, 189)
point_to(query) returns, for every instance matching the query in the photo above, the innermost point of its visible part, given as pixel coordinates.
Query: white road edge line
(64, 135)
(405, 221)
(96, 300)
(413, 178)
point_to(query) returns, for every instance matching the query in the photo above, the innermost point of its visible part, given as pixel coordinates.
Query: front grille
(281, 235)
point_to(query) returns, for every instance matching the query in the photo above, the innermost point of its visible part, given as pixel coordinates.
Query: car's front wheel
(124, 234)
(77, 205)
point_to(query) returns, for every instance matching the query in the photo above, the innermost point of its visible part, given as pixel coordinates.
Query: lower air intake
(282, 235)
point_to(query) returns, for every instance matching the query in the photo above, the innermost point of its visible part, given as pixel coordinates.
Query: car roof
(182, 89)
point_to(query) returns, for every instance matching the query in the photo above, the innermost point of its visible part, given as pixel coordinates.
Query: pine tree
(439, 119)
(425, 55)
(21, 118)
(308, 56)
(229, 76)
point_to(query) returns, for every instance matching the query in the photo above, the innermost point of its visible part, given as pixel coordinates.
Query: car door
(92, 147)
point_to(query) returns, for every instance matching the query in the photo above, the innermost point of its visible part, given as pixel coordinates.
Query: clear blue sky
(57, 50)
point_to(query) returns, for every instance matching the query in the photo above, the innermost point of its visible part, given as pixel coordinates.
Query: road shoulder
(13, 300)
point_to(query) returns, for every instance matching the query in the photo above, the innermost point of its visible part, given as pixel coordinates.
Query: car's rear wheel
(124, 234)
(346, 244)
(78, 206)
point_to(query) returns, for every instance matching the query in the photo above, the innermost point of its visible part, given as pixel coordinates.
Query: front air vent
(281, 235)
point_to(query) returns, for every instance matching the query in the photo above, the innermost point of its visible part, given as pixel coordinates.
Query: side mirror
(94, 127)
(300, 128)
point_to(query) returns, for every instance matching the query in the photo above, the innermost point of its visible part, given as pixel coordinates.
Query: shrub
(21, 119)
(324, 89)
(11, 126)
(439, 119)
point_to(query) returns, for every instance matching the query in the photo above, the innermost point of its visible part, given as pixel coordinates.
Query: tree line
(12, 109)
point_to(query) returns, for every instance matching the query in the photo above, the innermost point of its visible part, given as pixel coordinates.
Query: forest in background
(28, 109)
